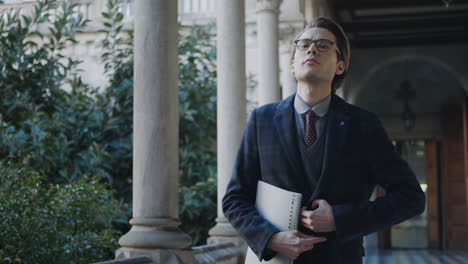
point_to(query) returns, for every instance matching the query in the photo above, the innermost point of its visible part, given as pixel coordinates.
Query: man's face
(315, 66)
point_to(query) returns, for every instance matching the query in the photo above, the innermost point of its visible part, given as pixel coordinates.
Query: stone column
(317, 8)
(231, 113)
(288, 82)
(155, 231)
(288, 32)
(292, 20)
(268, 50)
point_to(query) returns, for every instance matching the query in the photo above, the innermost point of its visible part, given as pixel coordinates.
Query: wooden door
(384, 236)
(432, 194)
(454, 202)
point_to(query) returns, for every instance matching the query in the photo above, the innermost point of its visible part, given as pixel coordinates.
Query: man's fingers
(307, 244)
(307, 221)
(302, 243)
(293, 243)
(315, 204)
(311, 227)
(306, 213)
(307, 239)
(318, 203)
(297, 252)
(302, 235)
(294, 252)
(306, 247)
(313, 240)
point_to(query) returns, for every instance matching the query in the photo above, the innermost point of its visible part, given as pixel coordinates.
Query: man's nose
(312, 49)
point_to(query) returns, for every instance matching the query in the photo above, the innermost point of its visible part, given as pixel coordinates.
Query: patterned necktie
(309, 118)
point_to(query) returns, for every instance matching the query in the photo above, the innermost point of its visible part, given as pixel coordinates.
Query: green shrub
(59, 129)
(197, 132)
(198, 209)
(70, 133)
(33, 68)
(48, 223)
(67, 133)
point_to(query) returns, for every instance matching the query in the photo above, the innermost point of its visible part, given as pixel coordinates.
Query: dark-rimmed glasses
(322, 45)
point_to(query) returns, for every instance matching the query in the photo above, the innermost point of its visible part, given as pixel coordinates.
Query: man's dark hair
(342, 43)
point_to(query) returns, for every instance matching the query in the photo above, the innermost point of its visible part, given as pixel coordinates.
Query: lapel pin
(342, 123)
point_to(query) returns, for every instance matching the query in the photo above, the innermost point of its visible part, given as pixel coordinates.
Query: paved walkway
(415, 256)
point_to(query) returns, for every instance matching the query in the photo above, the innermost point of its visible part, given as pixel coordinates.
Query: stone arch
(436, 63)
(434, 82)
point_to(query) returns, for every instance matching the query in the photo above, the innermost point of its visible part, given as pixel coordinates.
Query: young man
(332, 152)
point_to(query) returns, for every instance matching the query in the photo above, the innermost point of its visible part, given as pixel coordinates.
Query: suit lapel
(336, 131)
(284, 120)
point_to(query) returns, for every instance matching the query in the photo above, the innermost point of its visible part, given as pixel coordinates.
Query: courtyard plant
(41, 222)
(66, 131)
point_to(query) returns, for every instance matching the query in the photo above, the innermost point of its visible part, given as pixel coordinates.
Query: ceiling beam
(406, 24)
(408, 40)
(356, 4)
(399, 16)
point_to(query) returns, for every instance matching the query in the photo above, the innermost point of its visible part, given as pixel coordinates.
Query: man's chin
(309, 77)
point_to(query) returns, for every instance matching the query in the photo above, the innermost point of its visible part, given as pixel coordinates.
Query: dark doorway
(413, 233)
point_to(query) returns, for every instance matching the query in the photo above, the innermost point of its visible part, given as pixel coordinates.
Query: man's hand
(293, 243)
(320, 219)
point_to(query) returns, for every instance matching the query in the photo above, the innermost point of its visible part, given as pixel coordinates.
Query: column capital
(268, 5)
(288, 31)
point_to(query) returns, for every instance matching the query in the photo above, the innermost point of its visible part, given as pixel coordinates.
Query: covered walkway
(415, 256)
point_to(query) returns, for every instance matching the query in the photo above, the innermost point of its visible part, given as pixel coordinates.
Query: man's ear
(340, 67)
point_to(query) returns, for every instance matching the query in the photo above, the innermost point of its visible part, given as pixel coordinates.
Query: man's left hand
(320, 219)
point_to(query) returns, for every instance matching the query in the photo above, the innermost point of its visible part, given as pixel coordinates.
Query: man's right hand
(293, 243)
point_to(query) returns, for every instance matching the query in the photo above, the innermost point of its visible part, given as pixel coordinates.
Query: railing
(85, 7)
(189, 11)
(201, 7)
(136, 260)
(196, 11)
(127, 8)
(218, 253)
(24, 6)
(207, 254)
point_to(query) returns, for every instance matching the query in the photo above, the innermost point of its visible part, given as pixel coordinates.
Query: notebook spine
(294, 212)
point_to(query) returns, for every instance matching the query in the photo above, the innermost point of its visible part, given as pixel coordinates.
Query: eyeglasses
(322, 45)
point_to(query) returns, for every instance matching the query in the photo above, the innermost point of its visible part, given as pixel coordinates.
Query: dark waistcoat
(312, 160)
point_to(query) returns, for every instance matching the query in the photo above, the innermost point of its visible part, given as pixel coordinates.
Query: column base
(155, 233)
(223, 228)
(159, 256)
(223, 232)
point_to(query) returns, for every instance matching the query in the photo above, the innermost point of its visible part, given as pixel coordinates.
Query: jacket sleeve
(404, 197)
(239, 200)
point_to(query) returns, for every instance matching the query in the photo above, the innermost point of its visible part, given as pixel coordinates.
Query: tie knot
(309, 127)
(310, 115)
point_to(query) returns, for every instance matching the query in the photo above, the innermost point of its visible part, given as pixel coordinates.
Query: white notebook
(281, 208)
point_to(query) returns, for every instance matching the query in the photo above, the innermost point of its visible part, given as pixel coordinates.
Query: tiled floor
(415, 256)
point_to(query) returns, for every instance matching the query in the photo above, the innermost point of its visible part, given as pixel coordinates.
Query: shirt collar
(320, 109)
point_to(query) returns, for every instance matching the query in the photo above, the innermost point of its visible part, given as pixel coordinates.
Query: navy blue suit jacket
(358, 156)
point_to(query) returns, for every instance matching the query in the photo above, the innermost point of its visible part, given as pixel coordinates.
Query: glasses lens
(303, 44)
(323, 44)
